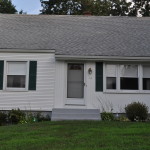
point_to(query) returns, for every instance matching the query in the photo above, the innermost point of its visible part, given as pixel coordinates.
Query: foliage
(3, 118)
(39, 117)
(136, 111)
(34, 117)
(75, 7)
(139, 8)
(22, 12)
(7, 7)
(122, 118)
(96, 7)
(119, 8)
(107, 116)
(62, 7)
(15, 116)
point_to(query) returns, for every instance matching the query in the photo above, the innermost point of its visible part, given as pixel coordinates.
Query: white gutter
(101, 58)
(27, 50)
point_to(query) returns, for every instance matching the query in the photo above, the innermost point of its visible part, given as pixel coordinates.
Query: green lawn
(76, 135)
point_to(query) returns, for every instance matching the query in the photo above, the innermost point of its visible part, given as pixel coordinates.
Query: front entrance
(75, 83)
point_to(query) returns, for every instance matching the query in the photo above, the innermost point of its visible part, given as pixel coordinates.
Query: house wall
(43, 98)
(115, 101)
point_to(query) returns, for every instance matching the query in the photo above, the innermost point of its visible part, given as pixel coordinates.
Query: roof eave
(101, 58)
(20, 50)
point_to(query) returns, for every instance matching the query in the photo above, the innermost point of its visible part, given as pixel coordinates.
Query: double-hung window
(16, 75)
(146, 77)
(122, 77)
(111, 74)
(129, 77)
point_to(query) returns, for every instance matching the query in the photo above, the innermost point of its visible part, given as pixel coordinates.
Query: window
(111, 76)
(16, 75)
(146, 77)
(129, 77)
(125, 77)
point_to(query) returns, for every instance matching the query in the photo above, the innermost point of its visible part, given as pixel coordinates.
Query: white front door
(75, 84)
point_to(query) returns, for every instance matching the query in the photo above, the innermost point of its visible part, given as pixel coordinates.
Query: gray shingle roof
(77, 35)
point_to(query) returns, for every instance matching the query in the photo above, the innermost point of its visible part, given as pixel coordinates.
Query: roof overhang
(101, 58)
(19, 50)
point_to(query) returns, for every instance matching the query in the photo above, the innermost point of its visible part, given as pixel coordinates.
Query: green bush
(15, 116)
(107, 116)
(122, 118)
(136, 111)
(3, 118)
(34, 117)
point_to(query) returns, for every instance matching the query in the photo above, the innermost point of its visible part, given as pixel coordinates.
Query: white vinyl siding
(43, 98)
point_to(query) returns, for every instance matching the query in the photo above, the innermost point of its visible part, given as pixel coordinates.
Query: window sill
(16, 90)
(127, 92)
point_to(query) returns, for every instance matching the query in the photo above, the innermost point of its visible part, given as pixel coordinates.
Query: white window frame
(5, 76)
(105, 78)
(118, 75)
(145, 91)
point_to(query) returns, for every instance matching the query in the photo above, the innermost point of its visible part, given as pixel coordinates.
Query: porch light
(90, 71)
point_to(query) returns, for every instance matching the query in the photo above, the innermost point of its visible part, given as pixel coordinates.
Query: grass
(76, 135)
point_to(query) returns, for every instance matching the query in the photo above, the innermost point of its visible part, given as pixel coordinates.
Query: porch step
(75, 114)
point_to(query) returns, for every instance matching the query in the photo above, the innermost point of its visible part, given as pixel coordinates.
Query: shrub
(136, 111)
(34, 117)
(122, 118)
(3, 118)
(15, 116)
(107, 116)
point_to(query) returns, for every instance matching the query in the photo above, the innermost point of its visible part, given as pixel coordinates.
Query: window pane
(111, 83)
(129, 83)
(146, 71)
(111, 70)
(75, 81)
(129, 70)
(146, 83)
(75, 90)
(16, 81)
(75, 72)
(16, 68)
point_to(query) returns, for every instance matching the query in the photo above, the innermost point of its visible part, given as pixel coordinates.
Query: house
(73, 62)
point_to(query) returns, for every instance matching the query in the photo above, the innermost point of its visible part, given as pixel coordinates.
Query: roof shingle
(77, 35)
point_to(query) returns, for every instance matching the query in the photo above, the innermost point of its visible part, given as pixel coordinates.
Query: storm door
(75, 81)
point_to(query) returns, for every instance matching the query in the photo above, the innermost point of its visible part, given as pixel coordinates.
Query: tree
(81, 7)
(96, 7)
(21, 12)
(119, 8)
(7, 7)
(62, 7)
(140, 8)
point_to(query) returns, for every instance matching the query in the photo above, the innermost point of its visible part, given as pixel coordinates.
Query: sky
(29, 6)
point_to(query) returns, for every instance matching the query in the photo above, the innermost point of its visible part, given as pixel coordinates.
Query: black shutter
(1, 74)
(99, 76)
(32, 75)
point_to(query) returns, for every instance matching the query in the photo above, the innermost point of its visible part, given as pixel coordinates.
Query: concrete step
(75, 114)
